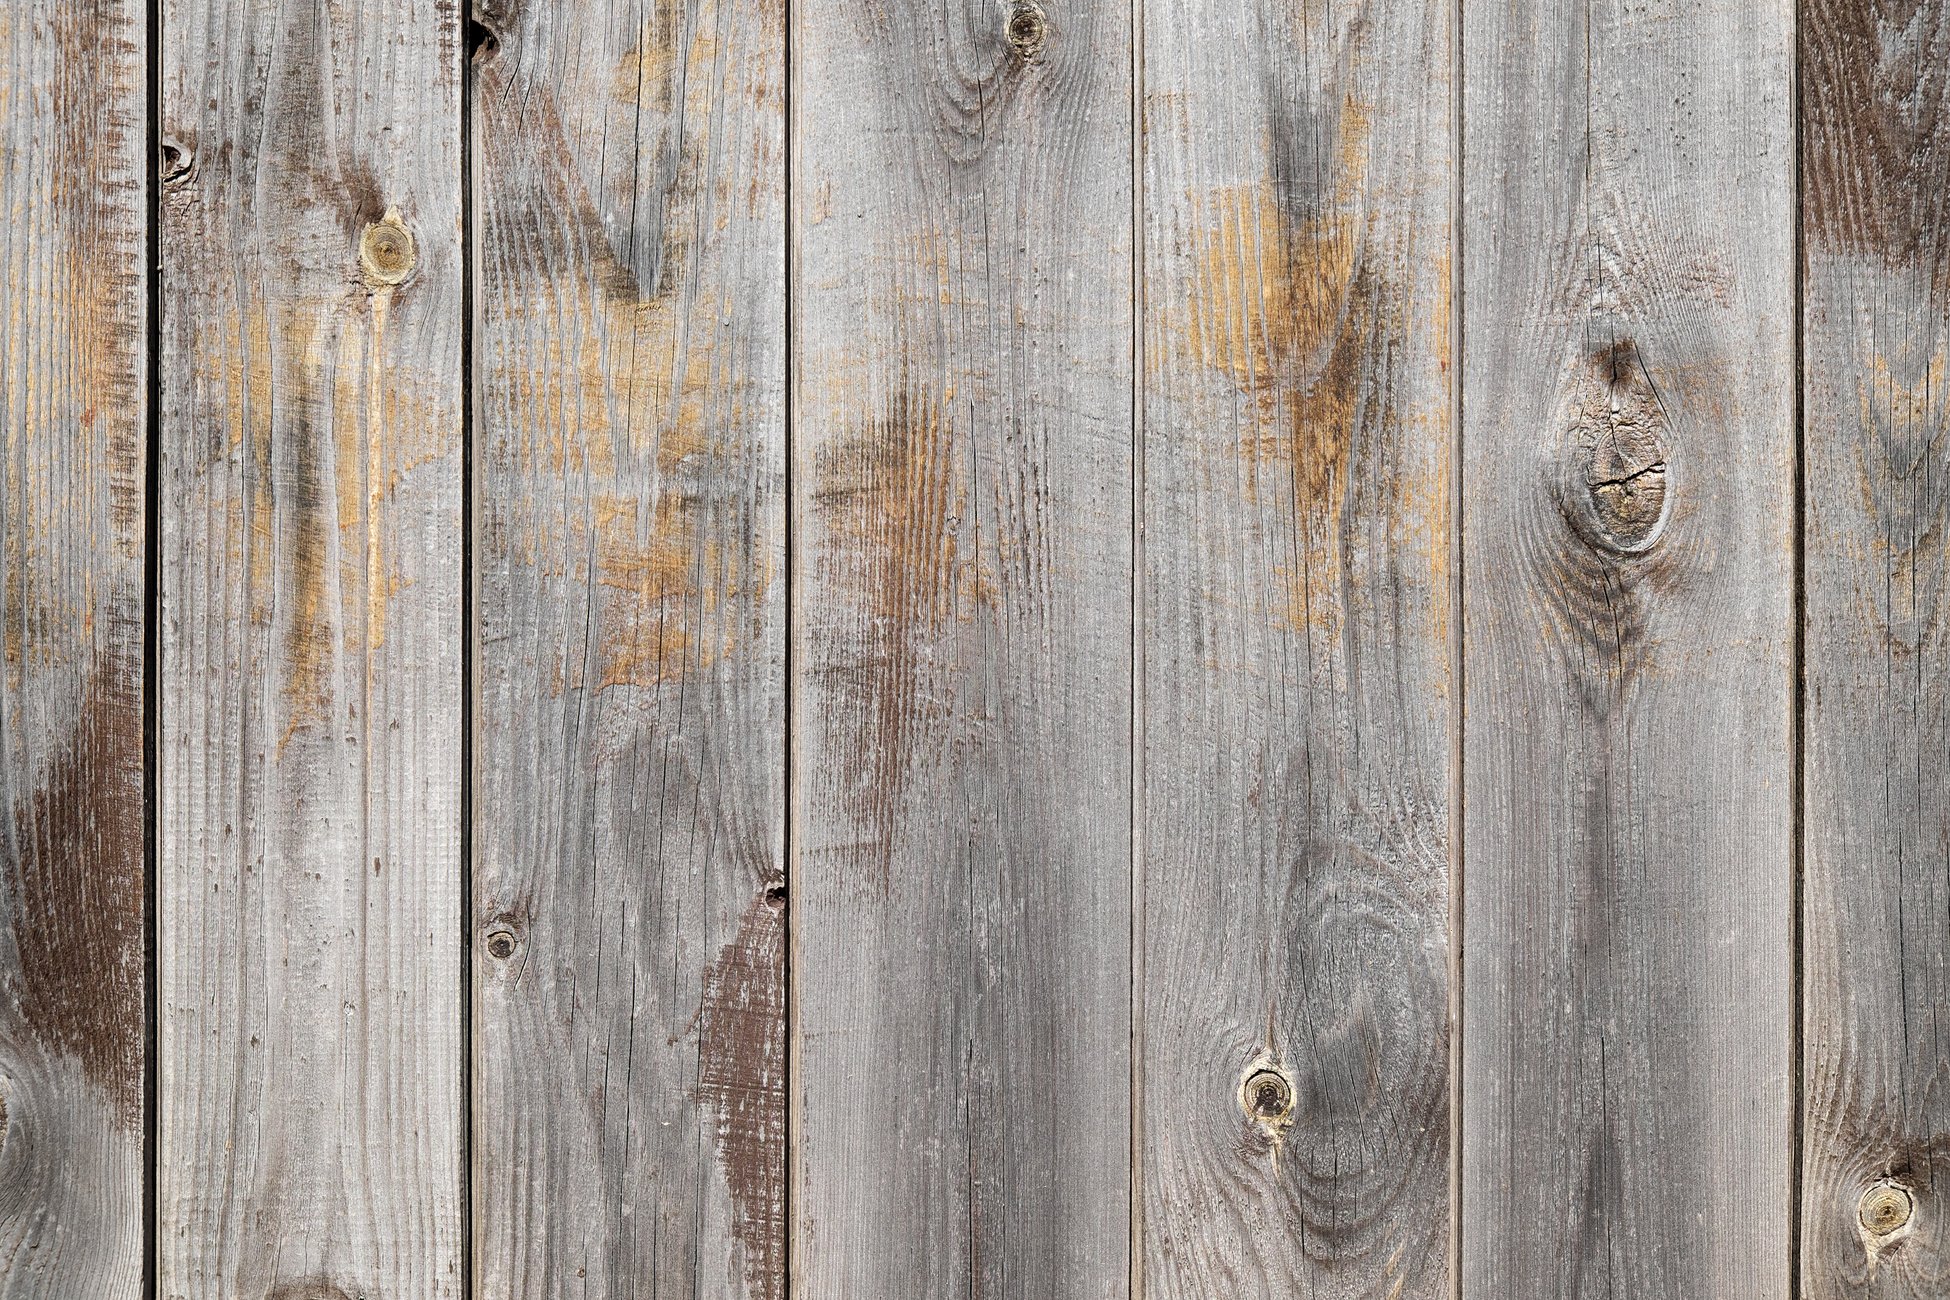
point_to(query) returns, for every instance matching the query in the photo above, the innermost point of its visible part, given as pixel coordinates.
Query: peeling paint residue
(741, 1080)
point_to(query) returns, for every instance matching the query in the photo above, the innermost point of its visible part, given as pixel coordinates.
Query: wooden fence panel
(629, 903)
(1628, 505)
(308, 925)
(1296, 703)
(962, 648)
(73, 464)
(1876, 401)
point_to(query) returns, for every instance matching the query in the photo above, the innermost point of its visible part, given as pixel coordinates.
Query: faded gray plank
(309, 903)
(1628, 492)
(1295, 1081)
(629, 936)
(1876, 391)
(962, 647)
(73, 364)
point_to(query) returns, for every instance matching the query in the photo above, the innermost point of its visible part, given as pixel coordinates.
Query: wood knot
(386, 251)
(1027, 30)
(1267, 1096)
(175, 163)
(503, 939)
(1885, 1210)
(1618, 433)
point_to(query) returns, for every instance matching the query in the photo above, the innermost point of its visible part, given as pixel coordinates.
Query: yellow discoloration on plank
(642, 410)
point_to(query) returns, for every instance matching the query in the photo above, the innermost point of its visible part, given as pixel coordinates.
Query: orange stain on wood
(640, 414)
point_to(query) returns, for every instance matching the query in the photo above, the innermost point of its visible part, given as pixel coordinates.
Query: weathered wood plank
(1628, 488)
(962, 644)
(1876, 402)
(629, 880)
(1298, 430)
(309, 902)
(73, 370)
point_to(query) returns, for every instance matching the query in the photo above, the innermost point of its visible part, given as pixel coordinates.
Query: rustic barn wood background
(1022, 649)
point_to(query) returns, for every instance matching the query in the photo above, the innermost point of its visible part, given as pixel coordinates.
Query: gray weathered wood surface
(1294, 1082)
(309, 830)
(628, 908)
(961, 679)
(1234, 555)
(73, 357)
(1876, 394)
(1628, 553)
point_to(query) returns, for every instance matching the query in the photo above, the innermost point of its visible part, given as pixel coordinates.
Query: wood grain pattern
(309, 892)
(962, 648)
(1627, 547)
(73, 461)
(1298, 433)
(1876, 401)
(629, 880)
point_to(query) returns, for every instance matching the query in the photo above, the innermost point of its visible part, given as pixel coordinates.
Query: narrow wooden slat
(961, 191)
(1628, 490)
(1876, 402)
(309, 963)
(628, 891)
(1298, 176)
(73, 371)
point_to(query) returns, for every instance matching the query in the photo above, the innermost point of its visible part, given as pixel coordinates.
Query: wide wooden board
(961, 669)
(1294, 1080)
(309, 882)
(629, 903)
(74, 357)
(1628, 555)
(1876, 399)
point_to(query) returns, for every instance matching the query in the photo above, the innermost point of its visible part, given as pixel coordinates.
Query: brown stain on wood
(77, 885)
(894, 497)
(1876, 136)
(315, 1289)
(741, 1080)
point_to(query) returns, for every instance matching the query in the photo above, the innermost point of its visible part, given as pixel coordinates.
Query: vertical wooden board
(962, 648)
(1876, 402)
(73, 362)
(629, 1070)
(309, 904)
(1299, 165)
(1628, 501)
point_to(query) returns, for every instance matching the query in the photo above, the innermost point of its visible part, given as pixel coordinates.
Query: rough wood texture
(73, 359)
(629, 909)
(1628, 496)
(1876, 927)
(310, 1008)
(1298, 178)
(962, 646)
